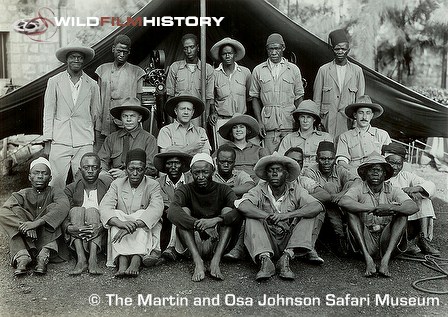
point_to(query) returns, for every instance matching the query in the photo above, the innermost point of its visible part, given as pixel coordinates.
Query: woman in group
(238, 131)
(307, 137)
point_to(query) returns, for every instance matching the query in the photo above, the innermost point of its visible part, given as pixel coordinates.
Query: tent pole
(203, 62)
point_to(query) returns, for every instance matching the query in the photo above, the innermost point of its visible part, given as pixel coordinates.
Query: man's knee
(76, 215)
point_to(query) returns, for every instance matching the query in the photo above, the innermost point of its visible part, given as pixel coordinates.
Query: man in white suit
(71, 106)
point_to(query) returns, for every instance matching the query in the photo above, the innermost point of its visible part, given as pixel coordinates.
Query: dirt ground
(316, 288)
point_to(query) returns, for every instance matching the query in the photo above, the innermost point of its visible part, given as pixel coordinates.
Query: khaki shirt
(277, 94)
(174, 134)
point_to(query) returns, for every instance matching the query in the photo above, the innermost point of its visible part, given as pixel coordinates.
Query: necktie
(125, 148)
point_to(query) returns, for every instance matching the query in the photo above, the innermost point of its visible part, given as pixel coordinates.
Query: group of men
(126, 183)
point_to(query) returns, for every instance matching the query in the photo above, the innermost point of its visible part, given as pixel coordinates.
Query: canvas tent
(407, 114)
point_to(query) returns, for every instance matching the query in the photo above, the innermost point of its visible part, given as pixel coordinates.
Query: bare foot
(199, 272)
(94, 269)
(371, 268)
(134, 268)
(80, 267)
(384, 269)
(123, 262)
(215, 270)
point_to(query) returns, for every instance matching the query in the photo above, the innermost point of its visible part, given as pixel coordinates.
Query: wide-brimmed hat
(364, 102)
(226, 130)
(375, 158)
(130, 103)
(89, 53)
(160, 159)
(291, 165)
(308, 107)
(173, 102)
(240, 50)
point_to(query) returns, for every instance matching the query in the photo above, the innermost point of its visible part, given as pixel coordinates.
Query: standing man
(174, 166)
(184, 77)
(131, 136)
(276, 90)
(335, 180)
(231, 83)
(377, 215)
(204, 215)
(354, 146)
(117, 80)
(338, 84)
(182, 135)
(131, 211)
(71, 108)
(32, 219)
(83, 223)
(280, 216)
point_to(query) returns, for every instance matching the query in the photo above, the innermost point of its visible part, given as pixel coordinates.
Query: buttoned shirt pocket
(354, 149)
(223, 91)
(240, 87)
(266, 83)
(287, 85)
(181, 84)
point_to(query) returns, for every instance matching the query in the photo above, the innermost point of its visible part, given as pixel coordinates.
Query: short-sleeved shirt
(356, 145)
(182, 81)
(111, 152)
(389, 194)
(116, 85)
(246, 158)
(295, 197)
(231, 92)
(277, 93)
(308, 145)
(238, 178)
(339, 176)
(174, 134)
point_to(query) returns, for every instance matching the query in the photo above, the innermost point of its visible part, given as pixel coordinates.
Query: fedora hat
(61, 53)
(226, 130)
(364, 102)
(291, 165)
(375, 158)
(130, 103)
(173, 102)
(240, 50)
(160, 159)
(307, 107)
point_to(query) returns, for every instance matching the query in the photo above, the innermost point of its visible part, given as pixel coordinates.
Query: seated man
(204, 215)
(32, 218)
(377, 214)
(131, 136)
(280, 216)
(335, 180)
(175, 166)
(182, 135)
(315, 190)
(420, 191)
(83, 224)
(131, 211)
(240, 182)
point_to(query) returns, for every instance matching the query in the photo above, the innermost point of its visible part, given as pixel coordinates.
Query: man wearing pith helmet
(131, 136)
(377, 215)
(354, 146)
(182, 135)
(280, 216)
(231, 83)
(338, 84)
(276, 90)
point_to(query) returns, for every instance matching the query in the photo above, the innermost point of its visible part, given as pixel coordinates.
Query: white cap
(202, 157)
(40, 160)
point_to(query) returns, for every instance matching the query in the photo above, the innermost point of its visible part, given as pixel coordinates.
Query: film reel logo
(40, 28)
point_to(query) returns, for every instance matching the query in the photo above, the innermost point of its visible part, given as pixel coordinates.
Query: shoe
(234, 255)
(170, 254)
(426, 247)
(314, 258)
(41, 267)
(413, 248)
(21, 267)
(283, 269)
(267, 269)
(152, 259)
